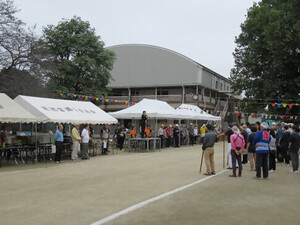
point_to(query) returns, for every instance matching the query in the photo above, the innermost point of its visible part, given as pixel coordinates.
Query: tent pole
(155, 127)
(36, 144)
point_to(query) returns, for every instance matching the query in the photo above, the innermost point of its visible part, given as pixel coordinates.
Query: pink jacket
(237, 140)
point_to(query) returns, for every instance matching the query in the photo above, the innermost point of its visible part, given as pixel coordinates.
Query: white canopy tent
(194, 112)
(64, 111)
(154, 108)
(12, 112)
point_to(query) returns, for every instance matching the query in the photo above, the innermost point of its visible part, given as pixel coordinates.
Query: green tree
(82, 62)
(267, 56)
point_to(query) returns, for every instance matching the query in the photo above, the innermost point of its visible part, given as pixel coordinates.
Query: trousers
(75, 150)
(236, 159)
(262, 162)
(209, 159)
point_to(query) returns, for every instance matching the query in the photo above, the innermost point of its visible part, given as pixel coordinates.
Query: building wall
(140, 66)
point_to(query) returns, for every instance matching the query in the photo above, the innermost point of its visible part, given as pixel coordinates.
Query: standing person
(161, 135)
(165, 135)
(251, 148)
(248, 129)
(272, 155)
(208, 148)
(169, 136)
(3, 136)
(148, 131)
(59, 140)
(76, 142)
(279, 134)
(245, 135)
(191, 131)
(257, 124)
(294, 143)
(284, 145)
(176, 136)
(228, 134)
(91, 134)
(237, 144)
(144, 119)
(261, 142)
(182, 135)
(105, 136)
(85, 138)
(195, 134)
(121, 132)
(133, 132)
(202, 133)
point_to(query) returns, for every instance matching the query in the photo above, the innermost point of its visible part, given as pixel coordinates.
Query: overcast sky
(203, 30)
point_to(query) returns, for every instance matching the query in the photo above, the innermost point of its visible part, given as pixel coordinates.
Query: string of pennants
(284, 105)
(96, 99)
(261, 115)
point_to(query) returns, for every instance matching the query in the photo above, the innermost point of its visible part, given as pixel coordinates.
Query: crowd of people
(261, 143)
(256, 144)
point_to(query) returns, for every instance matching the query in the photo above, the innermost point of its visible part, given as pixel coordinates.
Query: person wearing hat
(261, 142)
(228, 134)
(202, 133)
(176, 136)
(76, 142)
(161, 135)
(237, 142)
(169, 135)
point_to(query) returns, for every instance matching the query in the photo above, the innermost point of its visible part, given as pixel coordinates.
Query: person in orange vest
(148, 131)
(133, 132)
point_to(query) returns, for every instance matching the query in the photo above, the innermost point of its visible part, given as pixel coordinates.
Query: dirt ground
(88, 191)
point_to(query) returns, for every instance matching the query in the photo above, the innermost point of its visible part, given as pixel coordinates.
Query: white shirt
(85, 136)
(161, 131)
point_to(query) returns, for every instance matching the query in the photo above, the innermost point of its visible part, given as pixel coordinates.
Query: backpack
(237, 148)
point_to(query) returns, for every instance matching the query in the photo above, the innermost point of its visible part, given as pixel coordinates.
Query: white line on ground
(147, 202)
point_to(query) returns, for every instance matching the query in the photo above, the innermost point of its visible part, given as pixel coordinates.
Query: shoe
(74, 160)
(207, 174)
(240, 175)
(266, 178)
(296, 171)
(285, 164)
(60, 161)
(229, 168)
(256, 178)
(57, 162)
(213, 173)
(232, 175)
(271, 171)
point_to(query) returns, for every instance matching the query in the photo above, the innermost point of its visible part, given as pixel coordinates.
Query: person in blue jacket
(261, 143)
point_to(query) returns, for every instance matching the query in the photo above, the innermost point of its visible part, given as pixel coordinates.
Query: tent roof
(64, 111)
(12, 112)
(154, 109)
(195, 112)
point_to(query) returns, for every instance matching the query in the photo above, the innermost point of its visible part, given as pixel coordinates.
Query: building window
(161, 91)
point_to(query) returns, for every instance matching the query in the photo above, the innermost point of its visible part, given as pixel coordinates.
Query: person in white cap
(261, 142)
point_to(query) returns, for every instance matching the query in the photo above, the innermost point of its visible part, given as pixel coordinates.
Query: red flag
(237, 114)
(273, 104)
(290, 105)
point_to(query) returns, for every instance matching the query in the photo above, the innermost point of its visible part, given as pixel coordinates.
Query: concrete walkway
(88, 191)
